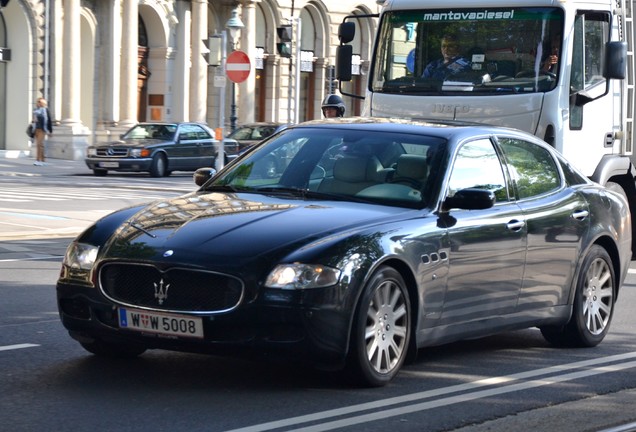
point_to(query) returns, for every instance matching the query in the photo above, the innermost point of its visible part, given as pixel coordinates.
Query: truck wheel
(159, 167)
(100, 172)
(381, 329)
(593, 306)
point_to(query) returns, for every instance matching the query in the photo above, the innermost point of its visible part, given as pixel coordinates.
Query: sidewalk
(20, 163)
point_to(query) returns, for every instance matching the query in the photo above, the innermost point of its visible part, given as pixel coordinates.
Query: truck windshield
(472, 51)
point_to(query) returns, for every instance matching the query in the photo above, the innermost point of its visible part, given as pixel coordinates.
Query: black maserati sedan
(371, 239)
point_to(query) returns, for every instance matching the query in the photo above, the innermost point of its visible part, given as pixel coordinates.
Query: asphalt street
(608, 413)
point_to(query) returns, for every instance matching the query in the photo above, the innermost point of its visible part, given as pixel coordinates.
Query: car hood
(233, 227)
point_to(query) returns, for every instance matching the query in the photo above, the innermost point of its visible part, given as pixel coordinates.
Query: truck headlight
(302, 276)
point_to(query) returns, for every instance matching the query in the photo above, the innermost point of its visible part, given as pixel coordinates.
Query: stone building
(104, 65)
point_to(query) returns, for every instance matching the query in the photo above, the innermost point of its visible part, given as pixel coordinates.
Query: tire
(100, 172)
(381, 329)
(159, 167)
(593, 306)
(111, 350)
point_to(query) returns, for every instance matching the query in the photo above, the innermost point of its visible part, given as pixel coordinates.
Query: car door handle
(515, 225)
(580, 214)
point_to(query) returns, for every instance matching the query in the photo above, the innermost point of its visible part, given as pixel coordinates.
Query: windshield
(339, 164)
(499, 50)
(157, 131)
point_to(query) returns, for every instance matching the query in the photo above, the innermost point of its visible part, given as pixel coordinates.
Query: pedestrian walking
(43, 127)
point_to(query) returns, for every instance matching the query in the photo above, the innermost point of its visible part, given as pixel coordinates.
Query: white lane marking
(380, 404)
(18, 346)
(47, 257)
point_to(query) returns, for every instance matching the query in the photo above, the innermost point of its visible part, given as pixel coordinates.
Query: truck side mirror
(346, 32)
(344, 59)
(615, 60)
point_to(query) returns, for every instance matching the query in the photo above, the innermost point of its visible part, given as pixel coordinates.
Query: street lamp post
(234, 25)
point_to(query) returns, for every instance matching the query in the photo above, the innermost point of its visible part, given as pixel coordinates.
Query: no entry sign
(237, 66)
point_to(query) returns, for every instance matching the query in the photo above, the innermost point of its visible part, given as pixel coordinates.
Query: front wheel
(593, 304)
(159, 166)
(382, 328)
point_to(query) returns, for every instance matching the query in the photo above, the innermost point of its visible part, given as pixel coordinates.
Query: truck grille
(112, 152)
(176, 289)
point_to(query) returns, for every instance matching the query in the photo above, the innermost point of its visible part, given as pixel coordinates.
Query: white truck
(580, 100)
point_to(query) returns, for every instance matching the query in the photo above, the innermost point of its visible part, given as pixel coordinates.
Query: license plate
(109, 164)
(160, 323)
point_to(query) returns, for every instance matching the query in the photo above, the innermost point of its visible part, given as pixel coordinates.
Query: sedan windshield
(157, 131)
(344, 164)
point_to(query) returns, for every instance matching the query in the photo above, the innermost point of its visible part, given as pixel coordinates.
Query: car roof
(446, 129)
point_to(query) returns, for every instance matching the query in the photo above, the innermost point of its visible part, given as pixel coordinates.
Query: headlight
(91, 151)
(136, 152)
(80, 256)
(302, 276)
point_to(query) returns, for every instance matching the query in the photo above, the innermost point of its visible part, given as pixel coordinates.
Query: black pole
(233, 109)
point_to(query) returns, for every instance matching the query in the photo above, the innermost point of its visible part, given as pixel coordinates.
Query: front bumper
(119, 164)
(314, 334)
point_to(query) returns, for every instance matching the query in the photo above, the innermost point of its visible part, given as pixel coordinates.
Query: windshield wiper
(284, 190)
(224, 188)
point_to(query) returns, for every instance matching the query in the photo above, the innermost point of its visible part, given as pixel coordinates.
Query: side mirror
(344, 59)
(615, 60)
(470, 199)
(346, 32)
(202, 175)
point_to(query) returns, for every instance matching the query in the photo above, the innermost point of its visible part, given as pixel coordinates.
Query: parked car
(373, 238)
(158, 148)
(247, 135)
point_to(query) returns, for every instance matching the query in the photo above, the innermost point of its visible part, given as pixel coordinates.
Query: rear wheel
(107, 349)
(159, 167)
(382, 328)
(100, 172)
(593, 304)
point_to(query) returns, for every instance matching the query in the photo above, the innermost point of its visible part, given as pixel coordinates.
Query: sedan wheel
(159, 167)
(382, 328)
(593, 304)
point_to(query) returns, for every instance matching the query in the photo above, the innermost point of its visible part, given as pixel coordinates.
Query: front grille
(112, 152)
(176, 289)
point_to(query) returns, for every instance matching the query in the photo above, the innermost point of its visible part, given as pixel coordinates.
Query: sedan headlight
(136, 152)
(302, 276)
(91, 151)
(80, 256)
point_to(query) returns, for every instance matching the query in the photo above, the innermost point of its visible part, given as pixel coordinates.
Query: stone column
(321, 72)
(129, 66)
(199, 70)
(247, 88)
(70, 139)
(109, 75)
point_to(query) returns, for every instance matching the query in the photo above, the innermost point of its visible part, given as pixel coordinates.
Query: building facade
(104, 65)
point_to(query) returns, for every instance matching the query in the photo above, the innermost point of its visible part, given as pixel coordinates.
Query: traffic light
(212, 53)
(284, 46)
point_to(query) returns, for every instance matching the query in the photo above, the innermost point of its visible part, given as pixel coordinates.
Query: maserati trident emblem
(161, 291)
